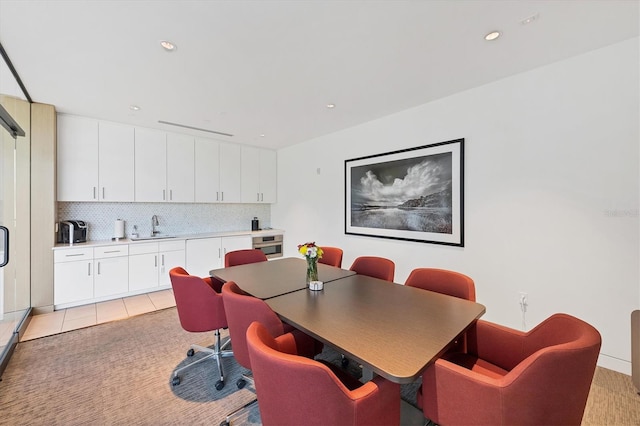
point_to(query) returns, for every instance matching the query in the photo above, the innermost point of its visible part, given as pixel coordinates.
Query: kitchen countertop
(262, 233)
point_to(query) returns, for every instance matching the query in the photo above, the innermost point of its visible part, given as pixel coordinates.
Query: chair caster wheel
(241, 383)
(191, 352)
(344, 362)
(224, 423)
(219, 384)
(175, 381)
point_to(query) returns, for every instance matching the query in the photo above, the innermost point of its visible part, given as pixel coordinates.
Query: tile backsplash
(173, 218)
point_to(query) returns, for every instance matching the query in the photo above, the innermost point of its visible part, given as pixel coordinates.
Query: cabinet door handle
(258, 196)
(89, 269)
(103, 192)
(94, 192)
(217, 196)
(219, 254)
(73, 255)
(112, 251)
(156, 260)
(164, 195)
(262, 196)
(98, 268)
(162, 261)
(171, 195)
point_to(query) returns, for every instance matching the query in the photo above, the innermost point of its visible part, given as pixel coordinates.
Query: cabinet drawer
(110, 251)
(172, 245)
(72, 254)
(143, 248)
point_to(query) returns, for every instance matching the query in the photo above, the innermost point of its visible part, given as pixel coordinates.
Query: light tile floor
(96, 313)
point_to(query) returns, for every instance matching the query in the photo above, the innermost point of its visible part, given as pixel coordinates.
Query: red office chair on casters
(331, 256)
(510, 377)
(314, 393)
(243, 309)
(242, 257)
(376, 267)
(200, 308)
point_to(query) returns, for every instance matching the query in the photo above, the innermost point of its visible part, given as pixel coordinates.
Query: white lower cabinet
(83, 275)
(205, 254)
(73, 275)
(150, 263)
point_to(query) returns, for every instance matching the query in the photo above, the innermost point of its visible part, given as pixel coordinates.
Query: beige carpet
(120, 373)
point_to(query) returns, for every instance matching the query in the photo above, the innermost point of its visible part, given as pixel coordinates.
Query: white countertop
(262, 233)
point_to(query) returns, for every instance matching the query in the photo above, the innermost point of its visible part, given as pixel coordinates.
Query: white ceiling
(270, 67)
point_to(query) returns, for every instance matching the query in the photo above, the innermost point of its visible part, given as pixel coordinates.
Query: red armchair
(509, 377)
(200, 308)
(376, 267)
(331, 256)
(243, 309)
(293, 390)
(445, 282)
(242, 257)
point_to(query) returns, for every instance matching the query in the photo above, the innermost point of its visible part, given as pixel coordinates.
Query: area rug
(120, 373)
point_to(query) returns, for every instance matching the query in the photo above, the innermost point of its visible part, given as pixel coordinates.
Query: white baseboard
(616, 364)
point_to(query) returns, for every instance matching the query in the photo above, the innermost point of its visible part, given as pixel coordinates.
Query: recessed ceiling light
(331, 106)
(262, 135)
(134, 107)
(492, 35)
(168, 46)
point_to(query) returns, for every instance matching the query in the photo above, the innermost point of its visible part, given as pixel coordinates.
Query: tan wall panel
(43, 204)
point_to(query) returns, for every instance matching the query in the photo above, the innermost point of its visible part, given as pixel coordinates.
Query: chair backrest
(243, 309)
(376, 267)
(294, 390)
(331, 256)
(199, 307)
(443, 281)
(242, 257)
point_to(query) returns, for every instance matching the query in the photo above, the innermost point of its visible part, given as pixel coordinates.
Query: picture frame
(414, 194)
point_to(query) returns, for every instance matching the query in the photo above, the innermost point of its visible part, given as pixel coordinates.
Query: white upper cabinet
(180, 168)
(258, 175)
(115, 159)
(77, 159)
(150, 165)
(230, 164)
(207, 171)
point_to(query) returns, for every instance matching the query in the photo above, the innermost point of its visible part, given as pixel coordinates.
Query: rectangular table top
(273, 278)
(393, 329)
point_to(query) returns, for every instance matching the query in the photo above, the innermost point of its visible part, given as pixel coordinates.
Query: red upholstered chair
(509, 377)
(331, 256)
(242, 257)
(445, 282)
(243, 309)
(293, 390)
(200, 308)
(376, 267)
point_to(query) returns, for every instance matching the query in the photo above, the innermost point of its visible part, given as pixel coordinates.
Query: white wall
(551, 192)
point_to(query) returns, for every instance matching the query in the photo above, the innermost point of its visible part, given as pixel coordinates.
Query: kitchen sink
(152, 237)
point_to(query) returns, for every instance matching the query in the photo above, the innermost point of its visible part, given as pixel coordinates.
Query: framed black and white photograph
(415, 194)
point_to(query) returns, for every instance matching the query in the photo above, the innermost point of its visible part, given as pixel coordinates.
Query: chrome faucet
(154, 223)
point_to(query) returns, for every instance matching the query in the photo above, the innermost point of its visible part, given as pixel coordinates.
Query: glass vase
(312, 269)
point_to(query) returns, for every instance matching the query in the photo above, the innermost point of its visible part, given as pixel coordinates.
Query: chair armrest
(499, 345)
(461, 395)
(373, 395)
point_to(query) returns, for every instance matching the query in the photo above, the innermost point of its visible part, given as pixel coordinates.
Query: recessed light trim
(492, 35)
(330, 106)
(167, 45)
(530, 19)
(134, 107)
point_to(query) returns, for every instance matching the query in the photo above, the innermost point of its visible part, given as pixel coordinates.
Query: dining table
(392, 329)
